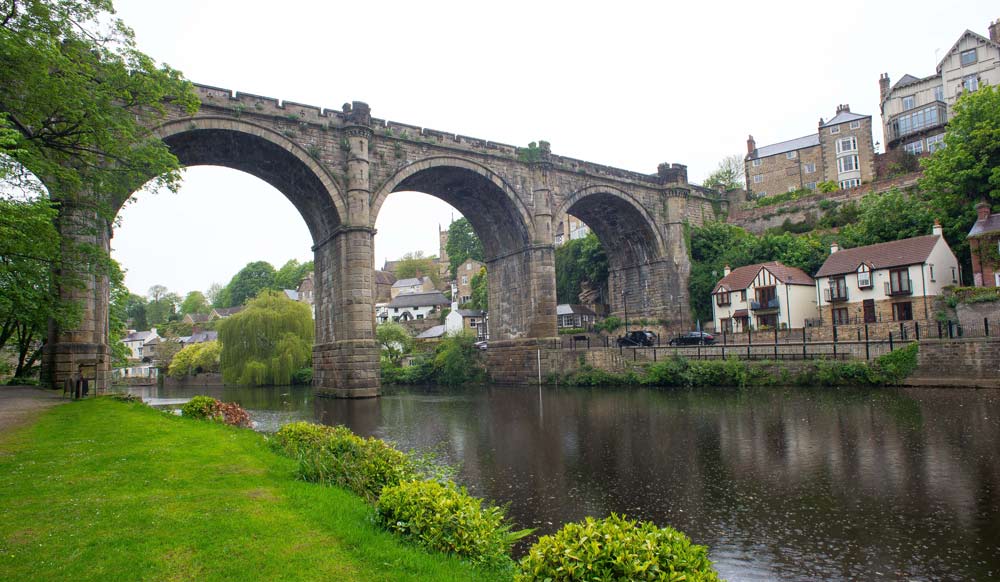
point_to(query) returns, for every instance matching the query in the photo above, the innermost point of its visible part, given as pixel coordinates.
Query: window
(722, 298)
(845, 184)
(848, 163)
(899, 282)
(761, 194)
(902, 311)
(468, 266)
(838, 289)
(472, 323)
(756, 163)
(791, 155)
(915, 147)
(758, 179)
(855, 125)
(908, 102)
(971, 83)
(954, 276)
(767, 297)
(840, 316)
(834, 130)
(743, 295)
(968, 57)
(913, 122)
(465, 279)
(931, 267)
(810, 168)
(939, 93)
(935, 142)
(864, 277)
(810, 185)
(847, 144)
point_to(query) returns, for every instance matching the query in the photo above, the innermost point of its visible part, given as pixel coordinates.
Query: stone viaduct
(338, 167)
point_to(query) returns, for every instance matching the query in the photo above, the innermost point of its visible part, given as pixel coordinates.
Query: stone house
(196, 318)
(915, 110)
(571, 315)
(463, 280)
(984, 246)
(224, 312)
(411, 306)
(764, 295)
(383, 286)
(891, 281)
(411, 285)
(842, 150)
(569, 228)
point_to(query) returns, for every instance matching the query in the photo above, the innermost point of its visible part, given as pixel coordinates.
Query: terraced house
(840, 151)
(916, 109)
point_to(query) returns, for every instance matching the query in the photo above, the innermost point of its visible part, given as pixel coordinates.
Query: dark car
(693, 338)
(635, 339)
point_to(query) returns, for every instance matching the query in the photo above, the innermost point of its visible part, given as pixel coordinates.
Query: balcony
(916, 121)
(899, 287)
(835, 294)
(765, 305)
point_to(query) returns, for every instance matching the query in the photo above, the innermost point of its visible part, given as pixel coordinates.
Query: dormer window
(864, 277)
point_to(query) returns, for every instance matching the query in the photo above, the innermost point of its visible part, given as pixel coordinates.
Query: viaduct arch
(338, 166)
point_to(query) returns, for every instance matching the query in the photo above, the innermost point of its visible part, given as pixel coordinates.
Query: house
(411, 285)
(136, 342)
(984, 245)
(891, 281)
(916, 109)
(224, 312)
(292, 294)
(435, 332)
(840, 151)
(570, 315)
(763, 295)
(198, 338)
(410, 306)
(463, 280)
(569, 228)
(383, 286)
(463, 320)
(195, 318)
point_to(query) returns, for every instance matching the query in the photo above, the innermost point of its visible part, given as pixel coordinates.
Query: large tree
(291, 274)
(580, 261)
(728, 176)
(462, 244)
(394, 339)
(162, 305)
(250, 281)
(480, 291)
(267, 342)
(194, 302)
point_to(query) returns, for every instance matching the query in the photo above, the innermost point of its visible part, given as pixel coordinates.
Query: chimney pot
(937, 230)
(726, 271)
(751, 145)
(834, 247)
(983, 210)
(995, 31)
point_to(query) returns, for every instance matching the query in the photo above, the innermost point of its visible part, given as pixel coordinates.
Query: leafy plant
(444, 517)
(616, 548)
(201, 407)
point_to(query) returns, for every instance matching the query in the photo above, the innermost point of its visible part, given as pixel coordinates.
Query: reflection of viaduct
(338, 167)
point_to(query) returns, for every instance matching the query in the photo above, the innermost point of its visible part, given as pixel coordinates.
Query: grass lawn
(102, 490)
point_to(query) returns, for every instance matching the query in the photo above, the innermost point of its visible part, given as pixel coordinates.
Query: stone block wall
(973, 362)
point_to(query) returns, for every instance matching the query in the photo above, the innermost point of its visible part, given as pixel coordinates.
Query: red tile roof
(741, 277)
(897, 253)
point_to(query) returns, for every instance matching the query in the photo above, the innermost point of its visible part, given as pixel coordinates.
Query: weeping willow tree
(267, 342)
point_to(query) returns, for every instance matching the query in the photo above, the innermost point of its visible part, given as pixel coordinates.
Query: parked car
(641, 338)
(480, 345)
(693, 338)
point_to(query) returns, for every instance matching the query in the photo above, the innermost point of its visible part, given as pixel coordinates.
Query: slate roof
(384, 278)
(906, 80)
(471, 312)
(198, 317)
(741, 277)
(419, 299)
(201, 337)
(798, 143)
(897, 253)
(844, 117)
(139, 336)
(292, 294)
(433, 332)
(227, 311)
(574, 309)
(988, 226)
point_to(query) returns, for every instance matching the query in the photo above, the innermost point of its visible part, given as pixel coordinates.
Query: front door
(869, 307)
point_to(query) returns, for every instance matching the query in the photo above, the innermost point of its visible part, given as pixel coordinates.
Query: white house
(463, 320)
(410, 306)
(136, 342)
(765, 294)
(892, 281)
(571, 315)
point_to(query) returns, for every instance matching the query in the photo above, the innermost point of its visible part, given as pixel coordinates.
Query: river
(781, 484)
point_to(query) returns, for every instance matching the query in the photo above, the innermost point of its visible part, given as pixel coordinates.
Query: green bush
(446, 518)
(303, 376)
(609, 324)
(457, 361)
(202, 407)
(296, 437)
(616, 549)
(897, 365)
(571, 330)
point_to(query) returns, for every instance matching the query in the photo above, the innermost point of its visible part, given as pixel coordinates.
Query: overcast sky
(627, 84)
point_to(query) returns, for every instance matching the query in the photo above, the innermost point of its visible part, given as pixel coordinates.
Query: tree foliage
(291, 274)
(579, 261)
(162, 306)
(416, 265)
(887, 217)
(728, 176)
(462, 244)
(266, 342)
(194, 302)
(480, 291)
(251, 280)
(194, 359)
(394, 339)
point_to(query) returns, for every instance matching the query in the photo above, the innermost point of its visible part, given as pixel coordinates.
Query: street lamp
(625, 304)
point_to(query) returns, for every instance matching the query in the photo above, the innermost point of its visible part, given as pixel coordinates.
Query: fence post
(834, 342)
(803, 343)
(916, 329)
(890, 341)
(868, 353)
(902, 330)
(986, 326)
(951, 331)
(939, 329)
(749, 339)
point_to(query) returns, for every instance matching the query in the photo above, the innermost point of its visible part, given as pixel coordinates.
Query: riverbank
(101, 490)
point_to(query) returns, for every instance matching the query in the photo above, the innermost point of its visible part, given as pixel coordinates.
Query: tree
(251, 280)
(291, 274)
(196, 359)
(162, 305)
(462, 244)
(135, 311)
(266, 342)
(480, 291)
(395, 340)
(728, 176)
(212, 295)
(416, 265)
(194, 302)
(580, 261)
(118, 315)
(967, 170)
(888, 217)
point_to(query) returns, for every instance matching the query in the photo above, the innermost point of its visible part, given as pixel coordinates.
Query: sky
(626, 84)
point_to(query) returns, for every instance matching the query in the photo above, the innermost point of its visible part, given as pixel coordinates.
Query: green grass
(102, 490)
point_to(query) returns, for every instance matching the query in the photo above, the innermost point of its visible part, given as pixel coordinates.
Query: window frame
(758, 178)
(852, 144)
(809, 168)
(835, 130)
(970, 83)
(965, 63)
(911, 99)
(757, 162)
(855, 125)
(791, 155)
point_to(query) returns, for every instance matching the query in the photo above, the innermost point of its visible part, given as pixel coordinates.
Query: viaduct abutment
(338, 166)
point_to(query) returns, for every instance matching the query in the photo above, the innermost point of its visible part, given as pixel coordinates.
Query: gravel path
(19, 405)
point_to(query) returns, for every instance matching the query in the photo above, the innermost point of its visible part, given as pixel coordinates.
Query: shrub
(234, 415)
(616, 549)
(201, 407)
(609, 324)
(571, 330)
(446, 518)
(303, 376)
(457, 361)
(296, 437)
(897, 365)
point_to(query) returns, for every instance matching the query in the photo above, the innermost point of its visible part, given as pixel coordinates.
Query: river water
(781, 484)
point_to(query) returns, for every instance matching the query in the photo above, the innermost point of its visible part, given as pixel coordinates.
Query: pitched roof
(139, 336)
(227, 311)
(844, 117)
(201, 337)
(798, 143)
(990, 225)
(905, 80)
(408, 282)
(573, 309)
(291, 294)
(471, 312)
(741, 277)
(198, 317)
(384, 278)
(897, 253)
(419, 300)
(433, 332)
(954, 47)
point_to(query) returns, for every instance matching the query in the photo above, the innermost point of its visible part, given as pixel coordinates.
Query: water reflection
(781, 484)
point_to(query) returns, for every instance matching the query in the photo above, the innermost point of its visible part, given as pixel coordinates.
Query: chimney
(995, 31)
(937, 230)
(834, 247)
(883, 86)
(751, 145)
(726, 271)
(842, 108)
(983, 208)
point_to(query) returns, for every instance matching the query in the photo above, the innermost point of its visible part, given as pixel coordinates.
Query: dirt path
(19, 405)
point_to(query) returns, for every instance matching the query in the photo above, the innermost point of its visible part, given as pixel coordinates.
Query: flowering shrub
(208, 408)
